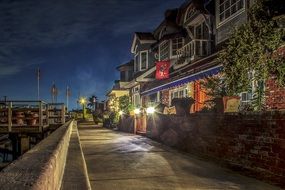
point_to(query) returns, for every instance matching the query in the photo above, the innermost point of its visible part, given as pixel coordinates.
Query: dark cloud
(75, 42)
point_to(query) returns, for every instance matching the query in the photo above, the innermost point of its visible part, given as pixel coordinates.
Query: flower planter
(31, 121)
(19, 118)
(31, 118)
(231, 104)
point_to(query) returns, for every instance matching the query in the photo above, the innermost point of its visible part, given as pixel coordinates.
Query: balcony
(194, 50)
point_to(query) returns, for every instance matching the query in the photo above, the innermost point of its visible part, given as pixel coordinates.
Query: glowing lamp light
(150, 110)
(137, 111)
(82, 101)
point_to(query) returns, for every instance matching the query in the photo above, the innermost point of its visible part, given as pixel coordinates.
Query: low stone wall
(126, 124)
(42, 167)
(253, 143)
(75, 173)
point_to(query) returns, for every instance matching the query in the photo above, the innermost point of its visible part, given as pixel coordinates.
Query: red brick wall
(275, 96)
(253, 143)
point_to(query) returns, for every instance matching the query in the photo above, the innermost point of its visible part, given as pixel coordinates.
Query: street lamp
(83, 102)
(150, 110)
(137, 111)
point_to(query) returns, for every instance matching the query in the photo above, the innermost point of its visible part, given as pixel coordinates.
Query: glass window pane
(143, 60)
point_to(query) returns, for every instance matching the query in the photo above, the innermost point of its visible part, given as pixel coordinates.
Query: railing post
(47, 114)
(63, 114)
(10, 117)
(40, 116)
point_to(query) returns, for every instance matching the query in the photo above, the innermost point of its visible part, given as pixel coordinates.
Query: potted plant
(20, 118)
(182, 105)
(31, 118)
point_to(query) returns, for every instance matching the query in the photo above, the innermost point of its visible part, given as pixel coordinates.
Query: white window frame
(172, 44)
(202, 24)
(237, 13)
(160, 45)
(183, 88)
(146, 66)
(187, 15)
(135, 62)
(136, 93)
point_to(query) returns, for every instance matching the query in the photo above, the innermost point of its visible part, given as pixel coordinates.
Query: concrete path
(120, 161)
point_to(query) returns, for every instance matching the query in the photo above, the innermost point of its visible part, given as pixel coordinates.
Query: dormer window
(191, 12)
(202, 31)
(228, 8)
(177, 43)
(144, 60)
(123, 76)
(164, 51)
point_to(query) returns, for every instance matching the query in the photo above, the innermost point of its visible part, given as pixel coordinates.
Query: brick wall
(275, 95)
(252, 143)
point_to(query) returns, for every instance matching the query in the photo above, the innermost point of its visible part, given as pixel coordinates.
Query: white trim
(145, 51)
(187, 11)
(178, 89)
(239, 12)
(133, 48)
(135, 62)
(162, 43)
(141, 77)
(133, 44)
(171, 47)
(219, 24)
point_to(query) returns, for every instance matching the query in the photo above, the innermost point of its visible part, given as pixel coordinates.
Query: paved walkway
(120, 161)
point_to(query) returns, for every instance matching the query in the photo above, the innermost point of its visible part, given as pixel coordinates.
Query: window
(190, 13)
(153, 98)
(137, 100)
(246, 98)
(136, 68)
(177, 44)
(130, 75)
(136, 96)
(123, 75)
(144, 60)
(179, 93)
(164, 51)
(202, 31)
(228, 8)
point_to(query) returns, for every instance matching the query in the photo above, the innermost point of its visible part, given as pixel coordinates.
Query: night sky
(75, 43)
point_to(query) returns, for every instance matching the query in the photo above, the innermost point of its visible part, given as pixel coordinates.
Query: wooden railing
(195, 49)
(28, 116)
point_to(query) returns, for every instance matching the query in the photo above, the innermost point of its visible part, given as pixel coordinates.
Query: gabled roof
(128, 64)
(203, 6)
(169, 20)
(143, 37)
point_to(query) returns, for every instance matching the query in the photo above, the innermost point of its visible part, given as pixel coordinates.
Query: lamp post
(83, 102)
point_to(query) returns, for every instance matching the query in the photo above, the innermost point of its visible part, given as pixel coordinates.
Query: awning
(184, 80)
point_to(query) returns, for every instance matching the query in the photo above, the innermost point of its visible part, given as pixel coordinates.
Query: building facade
(190, 38)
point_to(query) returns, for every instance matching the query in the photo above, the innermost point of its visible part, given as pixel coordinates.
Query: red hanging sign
(162, 70)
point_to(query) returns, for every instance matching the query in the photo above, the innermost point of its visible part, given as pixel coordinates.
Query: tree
(252, 49)
(92, 102)
(124, 104)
